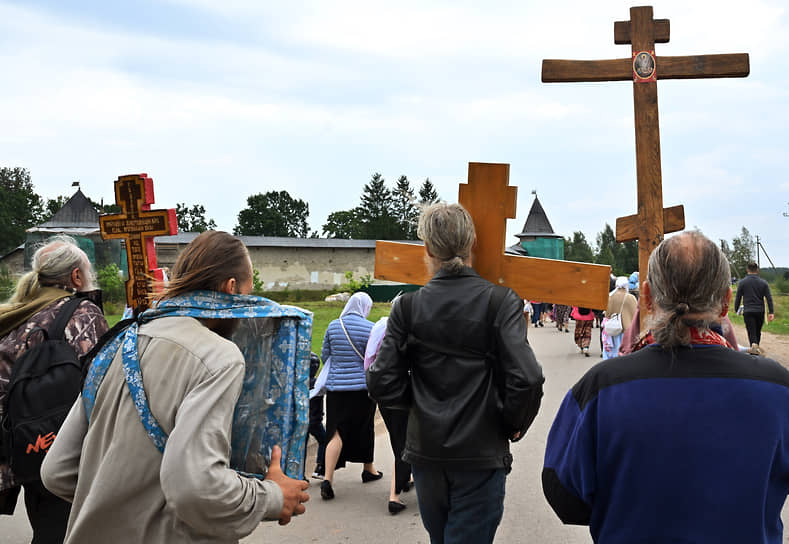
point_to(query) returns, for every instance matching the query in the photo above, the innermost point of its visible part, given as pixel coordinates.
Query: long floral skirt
(583, 333)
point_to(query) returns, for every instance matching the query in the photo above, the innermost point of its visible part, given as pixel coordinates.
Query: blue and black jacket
(683, 446)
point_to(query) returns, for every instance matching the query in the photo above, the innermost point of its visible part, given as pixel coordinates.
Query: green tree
(105, 208)
(343, 224)
(113, 288)
(578, 249)
(725, 248)
(404, 208)
(607, 246)
(193, 219)
(53, 206)
(427, 193)
(627, 258)
(20, 207)
(376, 215)
(622, 257)
(742, 252)
(274, 213)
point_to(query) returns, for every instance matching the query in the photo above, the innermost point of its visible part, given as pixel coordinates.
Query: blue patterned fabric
(273, 405)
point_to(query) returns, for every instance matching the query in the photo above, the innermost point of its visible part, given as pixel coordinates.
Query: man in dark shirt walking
(751, 291)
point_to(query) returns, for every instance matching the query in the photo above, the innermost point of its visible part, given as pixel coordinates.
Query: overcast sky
(220, 100)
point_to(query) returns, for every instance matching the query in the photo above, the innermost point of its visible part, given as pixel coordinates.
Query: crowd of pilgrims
(352, 415)
(676, 436)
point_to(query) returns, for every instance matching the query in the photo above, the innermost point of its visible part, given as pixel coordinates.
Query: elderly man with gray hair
(60, 270)
(455, 357)
(684, 440)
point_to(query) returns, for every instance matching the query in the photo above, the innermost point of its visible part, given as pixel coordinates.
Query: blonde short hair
(448, 233)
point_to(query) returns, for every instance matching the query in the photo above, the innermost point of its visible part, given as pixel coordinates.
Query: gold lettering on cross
(137, 224)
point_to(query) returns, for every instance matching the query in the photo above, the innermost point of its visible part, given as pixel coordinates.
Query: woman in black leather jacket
(455, 355)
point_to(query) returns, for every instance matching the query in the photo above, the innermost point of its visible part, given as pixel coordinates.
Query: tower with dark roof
(537, 238)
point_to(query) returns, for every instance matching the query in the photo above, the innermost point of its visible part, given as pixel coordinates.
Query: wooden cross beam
(491, 201)
(644, 68)
(137, 224)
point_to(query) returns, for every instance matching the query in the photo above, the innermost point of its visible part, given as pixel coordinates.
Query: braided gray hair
(448, 233)
(688, 280)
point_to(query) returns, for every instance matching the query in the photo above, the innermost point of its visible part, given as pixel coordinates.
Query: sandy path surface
(775, 346)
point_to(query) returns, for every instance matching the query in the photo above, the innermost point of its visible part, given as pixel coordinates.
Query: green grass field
(325, 312)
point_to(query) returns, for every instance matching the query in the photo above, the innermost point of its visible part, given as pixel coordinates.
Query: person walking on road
(752, 292)
(455, 356)
(685, 439)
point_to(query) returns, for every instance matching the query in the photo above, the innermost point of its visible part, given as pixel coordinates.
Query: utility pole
(760, 248)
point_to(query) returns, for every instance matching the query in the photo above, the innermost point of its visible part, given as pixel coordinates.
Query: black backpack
(45, 382)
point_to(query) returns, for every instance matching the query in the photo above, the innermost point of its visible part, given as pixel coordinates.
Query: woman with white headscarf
(623, 304)
(349, 410)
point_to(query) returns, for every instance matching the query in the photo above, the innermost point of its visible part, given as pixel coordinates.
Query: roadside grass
(325, 312)
(781, 323)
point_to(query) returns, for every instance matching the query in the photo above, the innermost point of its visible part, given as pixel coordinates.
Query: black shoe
(368, 477)
(327, 493)
(408, 486)
(395, 507)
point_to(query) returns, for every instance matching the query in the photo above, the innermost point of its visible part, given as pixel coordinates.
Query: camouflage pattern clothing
(83, 330)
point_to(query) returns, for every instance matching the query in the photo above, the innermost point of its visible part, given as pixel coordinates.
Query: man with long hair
(166, 477)
(684, 440)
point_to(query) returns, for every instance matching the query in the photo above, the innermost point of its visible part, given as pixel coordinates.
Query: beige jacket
(122, 488)
(628, 310)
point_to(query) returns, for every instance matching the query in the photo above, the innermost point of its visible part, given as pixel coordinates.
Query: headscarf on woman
(359, 303)
(621, 283)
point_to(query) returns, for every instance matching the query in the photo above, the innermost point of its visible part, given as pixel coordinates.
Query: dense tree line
(622, 257)
(383, 213)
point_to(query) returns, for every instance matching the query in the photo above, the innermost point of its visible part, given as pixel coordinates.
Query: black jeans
(753, 324)
(47, 513)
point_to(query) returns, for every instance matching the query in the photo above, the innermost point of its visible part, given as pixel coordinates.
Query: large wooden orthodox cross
(491, 201)
(137, 224)
(644, 68)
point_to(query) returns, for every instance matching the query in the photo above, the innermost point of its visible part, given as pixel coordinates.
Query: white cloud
(312, 97)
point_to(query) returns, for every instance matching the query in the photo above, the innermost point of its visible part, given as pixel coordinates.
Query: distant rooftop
(537, 224)
(76, 213)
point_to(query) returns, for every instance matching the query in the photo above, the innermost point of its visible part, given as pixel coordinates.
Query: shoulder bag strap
(351, 341)
(58, 326)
